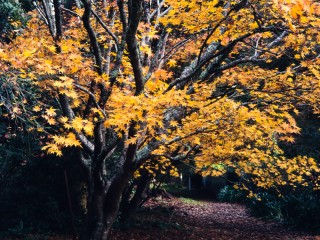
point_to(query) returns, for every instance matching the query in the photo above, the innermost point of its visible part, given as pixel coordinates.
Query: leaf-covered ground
(186, 219)
(183, 218)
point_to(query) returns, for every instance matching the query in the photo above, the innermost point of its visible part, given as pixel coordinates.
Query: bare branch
(50, 17)
(135, 13)
(71, 12)
(239, 61)
(58, 19)
(220, 55)
(123, 17)
(92, 34)
(105, 27)
(92, 96)
(42, 14)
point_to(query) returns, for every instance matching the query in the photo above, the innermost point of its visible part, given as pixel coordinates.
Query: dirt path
(200, 220)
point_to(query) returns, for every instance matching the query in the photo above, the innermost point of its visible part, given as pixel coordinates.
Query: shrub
(229, 194)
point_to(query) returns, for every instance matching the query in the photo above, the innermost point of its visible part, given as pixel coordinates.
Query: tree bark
(134, 204)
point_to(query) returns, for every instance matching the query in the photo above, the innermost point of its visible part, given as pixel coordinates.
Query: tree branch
(105, 27)
(135, 13)
(92, 96)
(58, 19)
(224, 51)
(92, 34)
(67, 110)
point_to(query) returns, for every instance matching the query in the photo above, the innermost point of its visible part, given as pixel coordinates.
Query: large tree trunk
(95, 217)
(112, 202)
(104, 201)
(102, 211)
(134, 204)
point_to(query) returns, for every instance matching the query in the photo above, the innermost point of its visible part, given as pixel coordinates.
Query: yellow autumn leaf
(36, 108)
(51, 121)
(51, 112)
(77, 124)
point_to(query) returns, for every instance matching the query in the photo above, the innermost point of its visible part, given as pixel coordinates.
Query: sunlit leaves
(298, 171)
(51, 112)
(61, 141)
(80, 124)
(236, 115)
(36, 108)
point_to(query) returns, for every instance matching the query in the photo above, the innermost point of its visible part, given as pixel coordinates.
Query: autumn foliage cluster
(135, 87)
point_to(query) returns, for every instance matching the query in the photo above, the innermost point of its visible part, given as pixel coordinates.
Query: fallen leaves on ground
(180, 218)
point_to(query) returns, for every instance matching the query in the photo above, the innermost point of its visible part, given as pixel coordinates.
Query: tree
(126, 82)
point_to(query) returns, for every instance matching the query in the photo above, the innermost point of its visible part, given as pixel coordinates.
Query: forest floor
(181, 218)
(184, 218)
